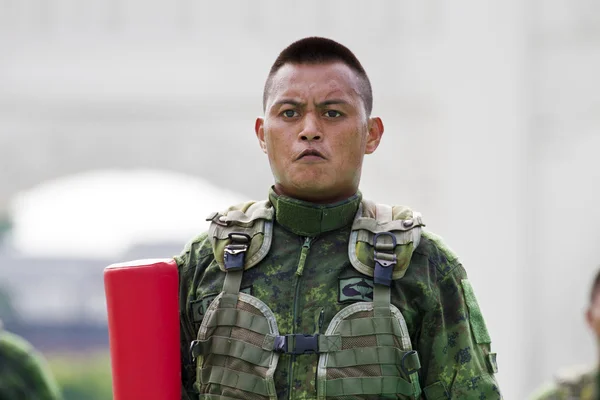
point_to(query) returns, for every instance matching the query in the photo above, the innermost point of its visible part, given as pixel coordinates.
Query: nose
(311, 129)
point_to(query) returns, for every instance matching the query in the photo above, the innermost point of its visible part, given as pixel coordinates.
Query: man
(23, 371)
(578, 383)
(316, 292)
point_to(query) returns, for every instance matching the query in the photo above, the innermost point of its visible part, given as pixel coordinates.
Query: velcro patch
(355, 289)
(475, 317)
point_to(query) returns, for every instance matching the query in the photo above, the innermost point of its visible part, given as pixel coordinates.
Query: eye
(332, 114)
(289, 113)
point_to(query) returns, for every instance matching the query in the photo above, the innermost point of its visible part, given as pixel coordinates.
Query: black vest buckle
(297, 344)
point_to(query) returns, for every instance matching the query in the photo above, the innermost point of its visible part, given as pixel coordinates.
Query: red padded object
(143, 329)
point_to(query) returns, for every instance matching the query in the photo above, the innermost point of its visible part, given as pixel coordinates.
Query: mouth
(310, 153)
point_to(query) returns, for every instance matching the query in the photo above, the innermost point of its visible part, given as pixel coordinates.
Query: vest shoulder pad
(399, 222)
(254, 219)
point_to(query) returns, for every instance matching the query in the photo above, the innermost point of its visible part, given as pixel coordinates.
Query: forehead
(306, 79)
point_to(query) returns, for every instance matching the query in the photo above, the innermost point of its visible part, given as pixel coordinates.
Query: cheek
(276, 148)
(354, 146)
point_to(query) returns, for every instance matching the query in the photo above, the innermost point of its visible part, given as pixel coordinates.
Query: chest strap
(303, 344)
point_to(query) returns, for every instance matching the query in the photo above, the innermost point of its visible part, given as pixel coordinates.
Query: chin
(313, 184)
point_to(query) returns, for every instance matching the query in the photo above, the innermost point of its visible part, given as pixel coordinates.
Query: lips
(310, 152)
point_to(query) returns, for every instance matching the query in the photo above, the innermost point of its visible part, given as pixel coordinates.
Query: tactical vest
(365, 352)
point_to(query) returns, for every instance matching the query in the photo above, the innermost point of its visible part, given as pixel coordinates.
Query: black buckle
(235, 252)
(300, 344)
(383, 261)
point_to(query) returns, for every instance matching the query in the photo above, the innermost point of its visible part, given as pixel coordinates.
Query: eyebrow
(288, 101)
(301, 104)
(332, 102)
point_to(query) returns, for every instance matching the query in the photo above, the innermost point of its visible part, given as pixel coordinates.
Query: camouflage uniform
(573, 384)
(23, 372)
(443, 319)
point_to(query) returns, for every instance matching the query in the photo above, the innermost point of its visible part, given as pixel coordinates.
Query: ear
(259, 128)
(374, 134)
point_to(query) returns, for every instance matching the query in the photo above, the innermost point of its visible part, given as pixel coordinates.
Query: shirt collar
(311, 219)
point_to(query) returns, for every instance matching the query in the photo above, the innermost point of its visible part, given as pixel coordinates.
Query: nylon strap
(369, 356)
(231, 289)
(327, 343)
(368, 385)
(227, 346)
(239, 318)
(390, 370)
(381, 301)
(233, 282)
(235, 379)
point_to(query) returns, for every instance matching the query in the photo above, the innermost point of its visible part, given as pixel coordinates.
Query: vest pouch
(374, 219)
(234, 350)
(375, 360)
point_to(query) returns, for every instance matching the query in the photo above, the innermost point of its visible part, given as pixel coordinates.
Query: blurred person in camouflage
(317, 292)
(581, 382)
(24, 374)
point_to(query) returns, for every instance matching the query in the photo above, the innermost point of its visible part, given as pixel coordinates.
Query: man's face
(593, 315)
(316, 131)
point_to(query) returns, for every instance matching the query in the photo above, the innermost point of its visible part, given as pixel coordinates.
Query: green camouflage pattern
(23, 372)
(571, 384)
(431, 297)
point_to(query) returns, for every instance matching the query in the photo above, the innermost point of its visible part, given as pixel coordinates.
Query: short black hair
(595, 287)
(319, 50)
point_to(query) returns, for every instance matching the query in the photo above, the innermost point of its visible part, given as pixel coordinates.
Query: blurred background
(123, 123)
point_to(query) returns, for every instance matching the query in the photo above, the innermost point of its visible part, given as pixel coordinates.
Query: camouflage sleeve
(454, 343)
(194, 258)
(23, 371)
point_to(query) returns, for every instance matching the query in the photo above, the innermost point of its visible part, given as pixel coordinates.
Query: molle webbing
(380, 385)
(234, 346)
(375, 358)
(375, 355)
(241, 319)
(236, 379)
(227, 346)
